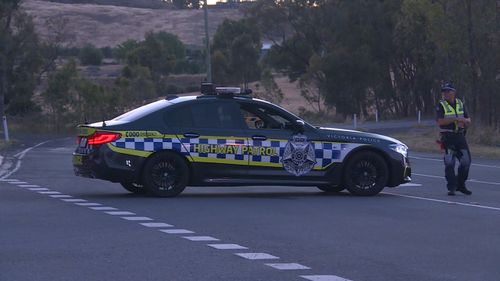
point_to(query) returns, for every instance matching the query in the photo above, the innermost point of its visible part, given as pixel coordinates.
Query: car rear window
(143, 111)
(217, 115)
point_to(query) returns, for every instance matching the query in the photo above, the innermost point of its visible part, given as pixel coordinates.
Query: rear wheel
(165, 174)
(134, 188)
(366, 174)
(331, 188)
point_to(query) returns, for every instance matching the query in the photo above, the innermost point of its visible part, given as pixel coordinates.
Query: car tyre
(366, 174)
(165, 174)
(133, 188)
(331, 188)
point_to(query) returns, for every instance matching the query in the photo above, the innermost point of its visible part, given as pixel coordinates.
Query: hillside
(105, 25)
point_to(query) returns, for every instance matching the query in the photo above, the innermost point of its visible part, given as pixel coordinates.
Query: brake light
(99, 138)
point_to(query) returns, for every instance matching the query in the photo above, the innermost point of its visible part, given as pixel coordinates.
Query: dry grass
(104, 25)
(424, 140)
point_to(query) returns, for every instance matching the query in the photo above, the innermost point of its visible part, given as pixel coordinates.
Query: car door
(279, 150)
(212, 131)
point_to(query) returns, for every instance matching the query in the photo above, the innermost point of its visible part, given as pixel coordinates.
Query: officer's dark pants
(456, 148)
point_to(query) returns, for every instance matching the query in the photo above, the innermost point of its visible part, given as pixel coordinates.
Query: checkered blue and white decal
(239, 151)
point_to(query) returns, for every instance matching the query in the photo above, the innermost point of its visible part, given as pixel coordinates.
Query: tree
(90, 55)
(236, 52)
(159, 52)
(20, 60)
(60, 94)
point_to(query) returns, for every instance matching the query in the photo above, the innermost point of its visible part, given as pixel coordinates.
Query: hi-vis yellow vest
(450, 112)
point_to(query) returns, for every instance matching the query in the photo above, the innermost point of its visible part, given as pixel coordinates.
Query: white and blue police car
(226, 137)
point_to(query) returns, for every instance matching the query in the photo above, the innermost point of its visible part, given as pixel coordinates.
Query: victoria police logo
(299, 157)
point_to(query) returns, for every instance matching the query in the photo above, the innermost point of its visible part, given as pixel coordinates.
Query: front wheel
(366, 174)
(165, 174)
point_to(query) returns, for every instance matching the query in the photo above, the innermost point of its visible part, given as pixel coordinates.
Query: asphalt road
(55, 226)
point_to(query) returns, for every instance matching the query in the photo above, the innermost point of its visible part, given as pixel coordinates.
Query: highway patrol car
(226, 137)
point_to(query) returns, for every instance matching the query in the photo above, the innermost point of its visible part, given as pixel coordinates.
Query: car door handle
(191, 135)
(259, 138)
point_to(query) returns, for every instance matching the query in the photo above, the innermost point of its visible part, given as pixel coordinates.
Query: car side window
(211, 114)
(178, 117)
(262, 117)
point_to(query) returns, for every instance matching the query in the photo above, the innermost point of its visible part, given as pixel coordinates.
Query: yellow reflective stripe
(133, 152)
(218, 161)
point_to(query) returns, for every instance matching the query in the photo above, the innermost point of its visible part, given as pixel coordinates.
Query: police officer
(452, 119)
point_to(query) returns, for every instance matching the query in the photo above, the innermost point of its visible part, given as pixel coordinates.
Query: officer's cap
(448, 87)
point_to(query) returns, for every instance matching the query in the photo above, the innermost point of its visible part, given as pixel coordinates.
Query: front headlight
(400, 148)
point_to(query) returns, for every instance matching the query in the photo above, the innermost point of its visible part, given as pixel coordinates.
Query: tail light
(99, 138)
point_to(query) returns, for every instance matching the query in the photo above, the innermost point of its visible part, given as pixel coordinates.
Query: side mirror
(300, 126)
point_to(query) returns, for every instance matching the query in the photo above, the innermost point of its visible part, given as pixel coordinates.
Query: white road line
(38, 188)
(103, 208)
(410, 185)
(471, 180)
(137, 218)
(17, 182)
(156, 224)
(8, 180)
(20, 156)
(257, 256)
(287, 266)
(49, 192)
(120, 213)
(441, 160)
(485, 182)
(88, 204)
(60, 196)
(444, 201)
(324, 278)
(227, 246)
(200, 238)
(74, 200)
(176, 231)
(428, 176)
(29, 185)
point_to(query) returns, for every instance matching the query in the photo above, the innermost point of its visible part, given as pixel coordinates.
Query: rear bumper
(103, 163)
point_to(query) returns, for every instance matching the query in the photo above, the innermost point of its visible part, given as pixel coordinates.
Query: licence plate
(83, 143)
(77, 160)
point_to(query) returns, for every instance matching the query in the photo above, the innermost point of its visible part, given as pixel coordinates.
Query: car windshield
(142, 111)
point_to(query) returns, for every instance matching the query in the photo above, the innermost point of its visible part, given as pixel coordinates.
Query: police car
(226, 137)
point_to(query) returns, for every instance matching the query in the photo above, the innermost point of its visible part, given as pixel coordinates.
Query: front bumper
(400, 171)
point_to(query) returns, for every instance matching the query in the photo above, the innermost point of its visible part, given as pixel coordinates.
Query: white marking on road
(176, 231)
(324, 278)
(441, 160)
(227, 246)
(20, 156)
(49, 192)
(88, 204)
(471, 180)
(74, 200)
(257, 256)
(137, 218)
(38, 189)
(9, 180)
(17, 182)
(29, 185)
(287, 266)
(410, 185)
(200, 238)
(445, 201)
(60, 196)
(120, 213)
(156, 224)
(103, 208)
